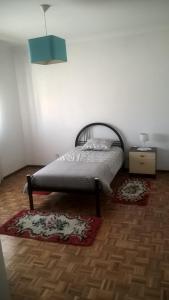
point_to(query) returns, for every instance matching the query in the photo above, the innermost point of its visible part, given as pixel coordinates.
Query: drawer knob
(142, 155)
(141, 163)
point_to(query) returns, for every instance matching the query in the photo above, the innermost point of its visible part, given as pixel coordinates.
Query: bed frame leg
(30, 192)
(97, 193)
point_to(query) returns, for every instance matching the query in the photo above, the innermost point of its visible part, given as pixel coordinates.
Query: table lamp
(143, 139)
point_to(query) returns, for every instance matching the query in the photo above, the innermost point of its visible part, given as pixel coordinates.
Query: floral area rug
(41, 193)
(132, 191)
(52, 227)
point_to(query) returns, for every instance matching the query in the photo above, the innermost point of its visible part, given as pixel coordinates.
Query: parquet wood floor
(129, 259)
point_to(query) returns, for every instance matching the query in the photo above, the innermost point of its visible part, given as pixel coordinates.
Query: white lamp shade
(144, 137)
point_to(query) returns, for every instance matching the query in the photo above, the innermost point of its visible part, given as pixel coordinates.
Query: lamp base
(144, 149)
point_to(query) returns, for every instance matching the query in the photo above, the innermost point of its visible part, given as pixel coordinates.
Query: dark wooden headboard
(84, 134)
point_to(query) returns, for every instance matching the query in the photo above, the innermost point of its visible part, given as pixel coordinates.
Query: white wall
(11, 134)
(119, 80)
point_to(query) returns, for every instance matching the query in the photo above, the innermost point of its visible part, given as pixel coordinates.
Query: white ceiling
(74, 19)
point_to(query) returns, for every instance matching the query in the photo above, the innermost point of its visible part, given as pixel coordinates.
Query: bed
(90, 167)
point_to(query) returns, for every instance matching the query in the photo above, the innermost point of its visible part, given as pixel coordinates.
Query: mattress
(77, 169)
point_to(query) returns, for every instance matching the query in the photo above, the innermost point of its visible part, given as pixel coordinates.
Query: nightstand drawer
(141, 155)
(146, 166)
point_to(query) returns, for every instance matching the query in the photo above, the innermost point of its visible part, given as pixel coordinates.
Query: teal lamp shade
(47, 49)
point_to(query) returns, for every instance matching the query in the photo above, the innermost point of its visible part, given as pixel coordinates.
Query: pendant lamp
(48, 49)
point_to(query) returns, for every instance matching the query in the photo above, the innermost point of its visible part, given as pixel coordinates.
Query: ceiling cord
(45, 23)
(45, 7)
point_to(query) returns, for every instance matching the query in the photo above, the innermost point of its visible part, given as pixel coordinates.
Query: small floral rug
(41, 193)
(52, 227)
(132, 191)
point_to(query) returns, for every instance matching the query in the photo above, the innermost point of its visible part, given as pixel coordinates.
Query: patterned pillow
(98, 144)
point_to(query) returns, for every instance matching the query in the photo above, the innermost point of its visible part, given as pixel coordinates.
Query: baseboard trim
(157, 170)
(13, 173)
(20, 169)
(34, 166)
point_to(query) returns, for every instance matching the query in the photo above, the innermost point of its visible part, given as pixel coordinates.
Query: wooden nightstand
(142, 162)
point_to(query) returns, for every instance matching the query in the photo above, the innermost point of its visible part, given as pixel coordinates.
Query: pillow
(98, 144)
